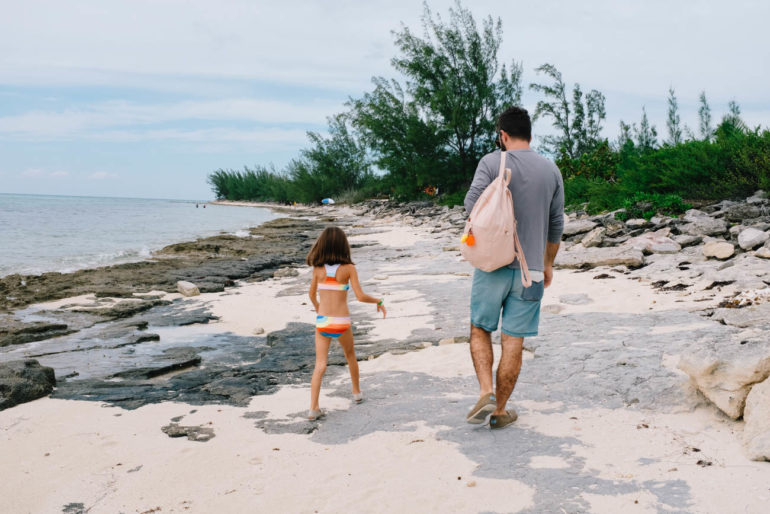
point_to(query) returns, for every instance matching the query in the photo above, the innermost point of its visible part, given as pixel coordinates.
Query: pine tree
(673, 123)
(646, 135)
(625, 135)
(578, 124)
(704, 115)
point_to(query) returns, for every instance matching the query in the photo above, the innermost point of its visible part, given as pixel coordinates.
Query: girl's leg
(321, 356)
(346, 341)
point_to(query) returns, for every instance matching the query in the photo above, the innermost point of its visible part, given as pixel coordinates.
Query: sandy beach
(607, 423)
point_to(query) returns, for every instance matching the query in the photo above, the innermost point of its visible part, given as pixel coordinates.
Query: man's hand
(551, 249)
(548, 272)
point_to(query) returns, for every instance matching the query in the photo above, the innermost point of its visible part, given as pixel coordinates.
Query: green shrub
(452, 199)
(647, 205)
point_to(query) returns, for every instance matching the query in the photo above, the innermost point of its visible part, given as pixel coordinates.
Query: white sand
(57, 452)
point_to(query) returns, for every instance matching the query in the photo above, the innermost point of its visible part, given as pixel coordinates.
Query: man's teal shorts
(502, 290)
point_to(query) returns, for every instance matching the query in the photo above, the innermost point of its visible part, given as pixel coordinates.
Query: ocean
(65, 233)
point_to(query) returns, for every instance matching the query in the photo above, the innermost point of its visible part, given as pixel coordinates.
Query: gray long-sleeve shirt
(538, 199)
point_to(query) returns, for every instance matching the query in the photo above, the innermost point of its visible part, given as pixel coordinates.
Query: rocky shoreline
(713, 258)
(117, 311)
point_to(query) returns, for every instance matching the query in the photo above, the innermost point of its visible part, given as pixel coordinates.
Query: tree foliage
(331, 164)
(646, 134)
(428, 128)
(704, 118)
(578, 122)
(673, 123)
(432, 128)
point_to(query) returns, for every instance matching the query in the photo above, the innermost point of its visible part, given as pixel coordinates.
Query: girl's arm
(363, 297)
(313, 290)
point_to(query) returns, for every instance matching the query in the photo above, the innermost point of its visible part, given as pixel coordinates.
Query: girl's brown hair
(331, 247)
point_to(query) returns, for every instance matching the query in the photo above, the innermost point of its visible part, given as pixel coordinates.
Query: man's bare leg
(507, 370)
(481, 353)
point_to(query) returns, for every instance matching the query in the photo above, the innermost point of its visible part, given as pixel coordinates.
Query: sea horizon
(112, 197)
(64, 233)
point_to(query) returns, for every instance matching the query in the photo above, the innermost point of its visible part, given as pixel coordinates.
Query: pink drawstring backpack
(490, 240)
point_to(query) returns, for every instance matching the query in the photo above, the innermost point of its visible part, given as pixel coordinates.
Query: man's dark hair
(516, 123)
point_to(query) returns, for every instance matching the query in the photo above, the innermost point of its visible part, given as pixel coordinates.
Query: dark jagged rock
(198, 433)
(172, 316)
(743, 211)
(216, 260)
(13, 331)
(124, 309)
(181, 358)
(23, 381)
(211, 263)
(114, 293)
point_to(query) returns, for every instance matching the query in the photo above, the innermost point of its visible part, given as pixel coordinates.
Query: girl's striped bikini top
(331, 284)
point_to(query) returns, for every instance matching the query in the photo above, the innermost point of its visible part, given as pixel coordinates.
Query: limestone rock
(759, 197)
(736, 230)
(661, 221)
(751, 238)
(745, 317)
(285, 272)
(763, 252)
(614, 226)
(580, 257)
(724, 371)
(655, 242)
(756, 433)
(635, 223)
(200, 434)
(23, 381)
(685, 240)
(578, 227)
(742, 211)
(718, 249)
(701, 224)
(594, 237)
(187, 288)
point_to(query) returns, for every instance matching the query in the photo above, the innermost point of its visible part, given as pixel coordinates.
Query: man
(538, 201)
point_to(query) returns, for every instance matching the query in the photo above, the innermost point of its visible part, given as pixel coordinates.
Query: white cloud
(637, 47)
(95, 118)
(39, 172)
(102, 175)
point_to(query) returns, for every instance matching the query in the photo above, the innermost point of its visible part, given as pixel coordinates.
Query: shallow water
(64, 233)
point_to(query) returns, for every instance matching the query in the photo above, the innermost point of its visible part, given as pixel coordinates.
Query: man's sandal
(483, 408)
(503, 420)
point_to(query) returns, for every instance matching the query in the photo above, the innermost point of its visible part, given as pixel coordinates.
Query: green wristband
(380, 302)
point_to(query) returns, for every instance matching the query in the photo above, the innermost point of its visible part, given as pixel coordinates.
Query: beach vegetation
(577, 122)
(431, 128)
(420, 134)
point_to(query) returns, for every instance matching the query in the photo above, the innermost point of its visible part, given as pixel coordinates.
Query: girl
(333, 274)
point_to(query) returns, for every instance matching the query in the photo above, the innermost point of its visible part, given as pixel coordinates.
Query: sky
(145, 98)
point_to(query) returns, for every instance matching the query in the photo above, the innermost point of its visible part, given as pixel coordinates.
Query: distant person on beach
(538, 199)
(333, 275)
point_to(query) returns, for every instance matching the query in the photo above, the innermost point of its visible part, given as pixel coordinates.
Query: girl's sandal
(315, 415)
(358, 397)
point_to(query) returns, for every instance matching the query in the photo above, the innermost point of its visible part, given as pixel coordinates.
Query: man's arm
(481, 179)
(555, 229)
(551, 249)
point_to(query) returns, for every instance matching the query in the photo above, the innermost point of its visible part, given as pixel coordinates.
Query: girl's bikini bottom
(332, 326)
